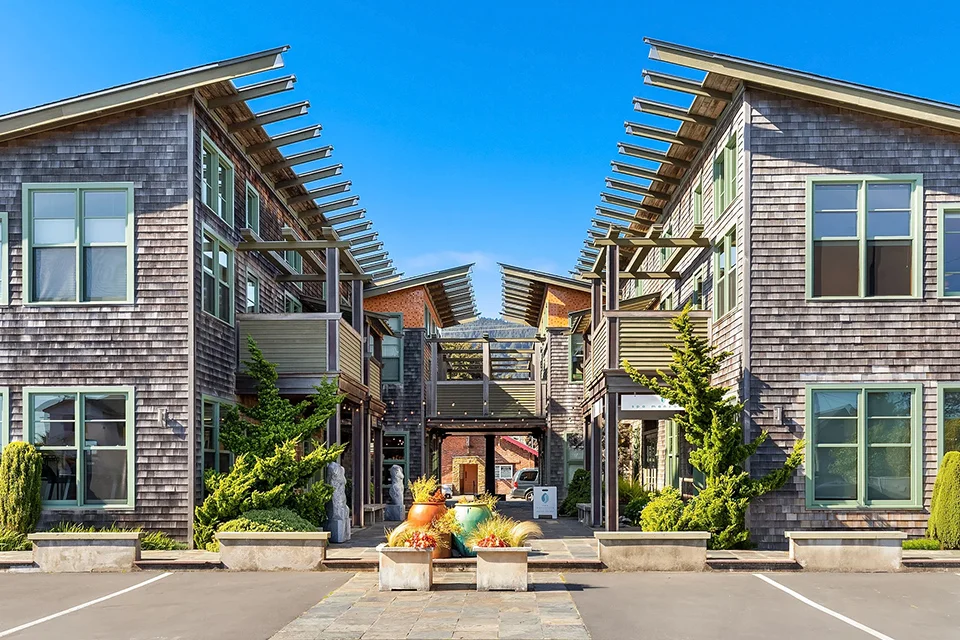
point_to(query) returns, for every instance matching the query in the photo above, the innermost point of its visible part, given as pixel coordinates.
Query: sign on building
(545, 502)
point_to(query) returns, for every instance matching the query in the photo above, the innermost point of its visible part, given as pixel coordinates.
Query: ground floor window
(396, 451)
(949, 423)
(215, 455)
(573, 452)
(86, 439)
(863, 446)
(672, 472)
(4, 419)
(504, 471)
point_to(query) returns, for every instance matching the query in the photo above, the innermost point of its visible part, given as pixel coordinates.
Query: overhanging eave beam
(283, 139)
(684, 85)
(273, 115)
(258, 90)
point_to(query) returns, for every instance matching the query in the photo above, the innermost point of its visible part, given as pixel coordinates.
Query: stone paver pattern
(454, 609)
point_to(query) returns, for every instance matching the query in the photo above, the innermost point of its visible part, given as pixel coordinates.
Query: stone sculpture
(395, 511)
(338, 515)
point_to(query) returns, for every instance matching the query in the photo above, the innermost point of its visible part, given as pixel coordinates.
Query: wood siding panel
(513, 399)
(645, 342)
(294, 344)
(459, 399)
(351, 352)
(562, 405)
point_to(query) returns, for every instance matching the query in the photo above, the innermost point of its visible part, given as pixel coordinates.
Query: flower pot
(469, 515)
(501, 568)
(405, 568)
(443, 550)
(421, 514)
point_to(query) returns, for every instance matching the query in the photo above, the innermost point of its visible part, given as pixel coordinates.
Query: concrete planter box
(850, 551)
(86, 552)
(405, 568)
(653, 550)
(501, 568)
(273, 551)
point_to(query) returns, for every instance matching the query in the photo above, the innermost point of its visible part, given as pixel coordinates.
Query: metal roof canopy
(524, 292)
(450, 290)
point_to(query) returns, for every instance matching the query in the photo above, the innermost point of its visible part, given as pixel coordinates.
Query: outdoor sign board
(545, 502)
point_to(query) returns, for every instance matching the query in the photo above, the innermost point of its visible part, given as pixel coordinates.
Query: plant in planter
(406, 558)
(428, 507)
(469, 514)
(501, 554)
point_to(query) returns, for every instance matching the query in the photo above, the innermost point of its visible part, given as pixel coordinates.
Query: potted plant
(406, 558)
(469, 514)
(428, 503)
(501, 555)
(444, 528)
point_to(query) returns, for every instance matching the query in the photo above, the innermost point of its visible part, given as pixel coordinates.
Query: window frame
(256, 302)
(292, 299)
(26, 203)
(399, 338)
(405, 462)
(570, 349)
(4, 258)
(4, 417)
(249, 190)
(916, 230)
(697, 205)
(231, 249)
(942, 387)
(217, 403)
(725, 176)
(79, 447)
(943, 209)
(721, 282)
(916, 448)
(698, 299)
(212, 147)
(498, 467)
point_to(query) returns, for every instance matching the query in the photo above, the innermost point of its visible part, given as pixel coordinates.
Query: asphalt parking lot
(189, 605)
(743, 606)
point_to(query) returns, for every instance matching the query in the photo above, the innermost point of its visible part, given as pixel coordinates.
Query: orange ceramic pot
(421, 514)
(443, 551)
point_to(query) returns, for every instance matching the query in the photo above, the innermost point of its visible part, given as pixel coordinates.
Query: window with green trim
(431, 326)
(216, 189)
(85, 437)
(217, 278)
(392, 350)
(863, 446)
(215, 455)
(4, 417)
(395, 452)
(725, 296)
(863, 236)
(292, 304)
(576, 357)
(698, 203)
(697, 300)
(665, 252)
(4, 259)
(78, 242)
(725, 177)
(253, 294)
(949, 420)
(253, 209)
(295, 260)
(666, 302)
(948, 251)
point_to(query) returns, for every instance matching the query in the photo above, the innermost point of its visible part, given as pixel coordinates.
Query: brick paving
(454, 609)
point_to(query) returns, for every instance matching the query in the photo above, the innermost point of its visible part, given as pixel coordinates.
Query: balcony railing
(643, 338)
(485, 378)
(310, 345)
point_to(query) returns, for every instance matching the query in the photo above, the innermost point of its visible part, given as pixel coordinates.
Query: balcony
(485, 380)
(307, 348)
(643, 338)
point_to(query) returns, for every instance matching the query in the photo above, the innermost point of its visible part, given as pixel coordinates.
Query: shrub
(921, 544)
(630, 489)
(501, 531)
(634, 508)
(578, 491)
(14, 541)
(720, 509)
(663, 512)
(406, 535)
(20, 470)
(152, 541)
(944, 523)
(276, 520)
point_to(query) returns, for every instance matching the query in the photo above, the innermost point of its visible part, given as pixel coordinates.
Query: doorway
(469, 479)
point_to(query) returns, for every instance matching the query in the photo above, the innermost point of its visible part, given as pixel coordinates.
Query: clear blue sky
(477, 133)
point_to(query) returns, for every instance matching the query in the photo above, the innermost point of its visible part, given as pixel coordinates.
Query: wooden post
(596, 303)
(377, 470)
(587, 435)
(356, 306)
(596, 474)
(434, 372)
(490, 461)
(487, 371)
(333, 334)
(359, 449)
(612, 440)
(440, 458)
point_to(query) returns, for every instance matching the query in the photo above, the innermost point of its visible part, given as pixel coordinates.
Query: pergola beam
(359, 251)
(642, 172)
(670, 111)
(322, 192)
(656, 133)
(630, 203)
(636, 189)
(679, 253)
(346, 217)
(311, 176)
(286, 245)
(383, 264)
(283, 139)
(360, 227)
(625, 216)
(645, 153)
(327, 207)
(640, 275)
(642, 252)
(369, 237)
(320, 277)
(258, 90)
(291, 236)
(273, 115)
(684, 85)
(372, 258)
(299, 158)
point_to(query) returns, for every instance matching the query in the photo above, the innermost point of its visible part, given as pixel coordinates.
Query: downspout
(745, 271)
(191, 324)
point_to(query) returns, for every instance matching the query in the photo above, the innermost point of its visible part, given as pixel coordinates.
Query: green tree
(274, 420)
(944, 523)
(20, 477)
(711, 424)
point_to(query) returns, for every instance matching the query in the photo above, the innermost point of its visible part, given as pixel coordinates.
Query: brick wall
(505, 452)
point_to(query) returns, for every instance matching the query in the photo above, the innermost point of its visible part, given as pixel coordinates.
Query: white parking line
(8, 632)
(820, 607)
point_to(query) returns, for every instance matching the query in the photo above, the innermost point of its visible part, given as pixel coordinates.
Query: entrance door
(672, 478)
(468, 479)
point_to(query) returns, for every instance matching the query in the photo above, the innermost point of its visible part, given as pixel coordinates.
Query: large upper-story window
(725, 177)
(863, 237)
(392, 350)
(217, 180)
(253, 209)
(295, 260)
(4, 259)
(948, 412)
(253, 294)
(576, 357)
(217, 277)
(86, 439)
(78, 242)
(948, 251)
(725, 274)
(864, 446)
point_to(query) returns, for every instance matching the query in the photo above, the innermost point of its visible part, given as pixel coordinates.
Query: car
(524, 481)
(447, 490)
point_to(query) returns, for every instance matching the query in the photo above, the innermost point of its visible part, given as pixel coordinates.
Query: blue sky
(473, 132)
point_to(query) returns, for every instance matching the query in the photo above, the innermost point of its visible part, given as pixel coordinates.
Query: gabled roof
(524, 291)
(450, 290)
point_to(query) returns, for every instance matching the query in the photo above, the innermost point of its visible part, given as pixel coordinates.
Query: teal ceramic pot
(469, 516)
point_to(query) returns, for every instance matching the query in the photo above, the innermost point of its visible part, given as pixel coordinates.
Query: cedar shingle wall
(143, 345)
(563, 406)
(795, 342)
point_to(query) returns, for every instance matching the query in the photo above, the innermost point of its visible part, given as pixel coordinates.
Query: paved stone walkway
(454, 609)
